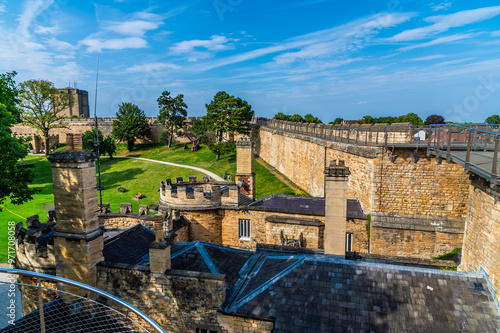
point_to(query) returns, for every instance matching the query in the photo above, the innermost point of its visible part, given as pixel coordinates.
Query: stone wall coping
(248, 316)
(285, 248)
(108, 264)
(453, 225)
(194, 274)
(294, 220)
(418, 261)
(65, 156)
(133, 215)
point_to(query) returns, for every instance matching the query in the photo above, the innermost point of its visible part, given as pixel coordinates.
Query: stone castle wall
(82, 125)
(409, 187)
(481, 248)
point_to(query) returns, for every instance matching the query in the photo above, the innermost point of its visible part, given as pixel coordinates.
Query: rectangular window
(348, 242)
(245, 229)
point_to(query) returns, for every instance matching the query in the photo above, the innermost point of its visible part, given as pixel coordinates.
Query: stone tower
(244, 166)
(336, 176)
(79, 240)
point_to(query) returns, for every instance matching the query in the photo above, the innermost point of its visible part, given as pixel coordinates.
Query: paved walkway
(206, 172)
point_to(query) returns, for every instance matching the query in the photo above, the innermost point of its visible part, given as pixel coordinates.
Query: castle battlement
(195, 194)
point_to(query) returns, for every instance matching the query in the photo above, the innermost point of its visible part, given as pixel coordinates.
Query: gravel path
(206, 172)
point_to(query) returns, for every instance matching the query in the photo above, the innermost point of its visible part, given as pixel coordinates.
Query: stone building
(79, 105)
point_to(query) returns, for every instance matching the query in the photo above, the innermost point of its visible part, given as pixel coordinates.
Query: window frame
(349, 241)
(244, 229)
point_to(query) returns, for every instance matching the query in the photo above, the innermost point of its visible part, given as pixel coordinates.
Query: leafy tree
(434, 119)
(309, 118)
(131, 124)
(172, 114)
(410, 118)
(88, 141)
(225, 114)
(369, 120)
(337, 121)
(109, 146)
(493, 120)
(281, 116)
(13, 179)
(296, 118)
(41, 105)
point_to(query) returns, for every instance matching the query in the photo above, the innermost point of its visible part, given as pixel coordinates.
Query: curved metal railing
(36, 302)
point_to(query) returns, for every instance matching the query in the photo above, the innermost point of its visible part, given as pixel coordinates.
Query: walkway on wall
(475, 149)
(206, 172)
(276, 174)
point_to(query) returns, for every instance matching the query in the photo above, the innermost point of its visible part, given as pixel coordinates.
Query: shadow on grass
(116, 178)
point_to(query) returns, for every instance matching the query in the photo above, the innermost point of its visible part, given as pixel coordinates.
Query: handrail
(469, 128)
(134, 310)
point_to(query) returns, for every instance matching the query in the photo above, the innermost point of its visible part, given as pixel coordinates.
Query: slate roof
(129, 247)
(323, 293)
(296, 203)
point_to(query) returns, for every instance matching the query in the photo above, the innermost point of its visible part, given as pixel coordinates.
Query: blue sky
(329, 58)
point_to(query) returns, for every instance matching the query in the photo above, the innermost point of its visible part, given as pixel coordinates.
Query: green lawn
(136, 176)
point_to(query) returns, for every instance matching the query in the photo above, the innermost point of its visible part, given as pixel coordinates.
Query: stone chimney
(159, 250)
(77, 142)
(69, 142)
(336, 176)
(78, 238)
(244, 166)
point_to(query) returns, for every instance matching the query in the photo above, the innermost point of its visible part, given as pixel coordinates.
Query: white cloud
(495, 33)
(191, 48)
(438, 41)
(154, 66)
(215, 43)
(60, 46)
(344, 39)
(31, 9)
(443, 23)
(46, 30)
(2, 7)
(133, 28)
(441, 6)
(97, 45)
(427, 58)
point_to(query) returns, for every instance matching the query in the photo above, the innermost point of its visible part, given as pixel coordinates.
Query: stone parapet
(454, 225)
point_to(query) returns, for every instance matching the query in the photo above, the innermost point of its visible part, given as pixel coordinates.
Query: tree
(281, 116)
(88, 141)
(296, 118)
(130, 124)
(410, 118)
(337, 121)
(493, 120)
(172, 114)
(14, 179)
(41, 105)
(109, 146)
(225, 114)
(309, 118)
(369, 120)
(434, 119)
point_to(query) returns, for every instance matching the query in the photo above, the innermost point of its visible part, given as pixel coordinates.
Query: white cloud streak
(442, 23)
(97, 45)
(152, 67)
(438, 41)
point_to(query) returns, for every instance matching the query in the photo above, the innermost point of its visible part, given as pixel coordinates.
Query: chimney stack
(336, 176)
(159, 250)
(244, 166)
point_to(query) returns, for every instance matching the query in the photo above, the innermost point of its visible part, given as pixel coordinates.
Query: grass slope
(136, 176)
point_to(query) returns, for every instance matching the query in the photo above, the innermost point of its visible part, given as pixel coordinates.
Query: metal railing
(360, 134)
(36, 302)
(475, 147)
